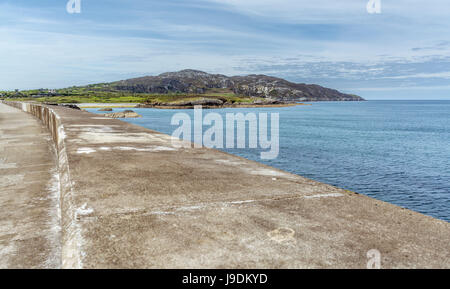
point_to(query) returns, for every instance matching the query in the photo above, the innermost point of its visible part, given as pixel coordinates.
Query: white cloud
(297, 11)
(445, 74)
(331, 11)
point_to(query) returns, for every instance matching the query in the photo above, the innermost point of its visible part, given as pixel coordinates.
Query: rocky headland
(198, 82)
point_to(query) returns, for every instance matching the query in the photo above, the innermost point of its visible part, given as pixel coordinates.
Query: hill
(198, 82)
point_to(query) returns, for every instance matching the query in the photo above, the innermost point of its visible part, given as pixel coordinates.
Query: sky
(401, 53)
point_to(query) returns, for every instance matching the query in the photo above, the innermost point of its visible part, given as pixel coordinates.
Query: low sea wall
(129, 199)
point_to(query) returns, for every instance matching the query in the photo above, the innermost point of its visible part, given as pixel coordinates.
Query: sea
(394, 151)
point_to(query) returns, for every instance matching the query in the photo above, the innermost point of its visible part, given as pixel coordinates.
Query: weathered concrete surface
(131, 200)
(29, 203)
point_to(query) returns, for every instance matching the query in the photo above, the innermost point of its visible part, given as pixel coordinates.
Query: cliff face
(198, 82)
(277, 88)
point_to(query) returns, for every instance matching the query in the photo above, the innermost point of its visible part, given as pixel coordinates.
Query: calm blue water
(395, 151)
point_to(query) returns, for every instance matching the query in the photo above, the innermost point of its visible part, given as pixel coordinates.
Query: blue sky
(402, 53)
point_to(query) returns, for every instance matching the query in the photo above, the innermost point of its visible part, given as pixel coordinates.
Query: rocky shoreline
(206, 103)
(123, 114)
(216, 103)
(218, 106)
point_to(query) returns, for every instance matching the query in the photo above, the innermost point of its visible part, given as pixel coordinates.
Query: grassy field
(84, 99)
(133, 99)
(84, 95)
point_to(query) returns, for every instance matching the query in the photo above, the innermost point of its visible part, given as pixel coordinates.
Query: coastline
(138, 105)
(106, 105)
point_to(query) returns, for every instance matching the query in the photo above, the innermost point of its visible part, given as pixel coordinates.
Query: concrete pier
(128, 199)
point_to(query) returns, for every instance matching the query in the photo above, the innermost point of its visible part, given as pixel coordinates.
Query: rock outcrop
(124, 114)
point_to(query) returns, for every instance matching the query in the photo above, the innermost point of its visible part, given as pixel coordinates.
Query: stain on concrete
(11, 180)
(85, 151)
(282, 235)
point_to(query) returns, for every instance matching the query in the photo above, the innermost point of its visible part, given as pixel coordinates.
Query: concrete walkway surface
(29, 198)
